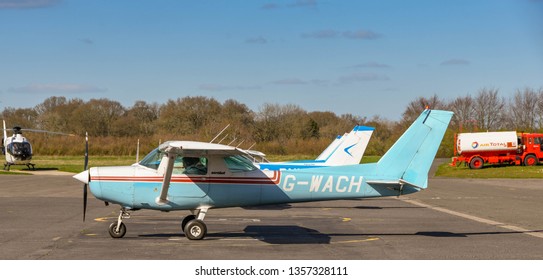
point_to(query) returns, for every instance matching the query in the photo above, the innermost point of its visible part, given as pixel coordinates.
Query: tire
(476, 163)
(186, 220)
(195, 230)
(117, 234)
(530, 160)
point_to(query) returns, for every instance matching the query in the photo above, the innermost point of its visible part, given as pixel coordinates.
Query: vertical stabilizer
(411, 157)
(332, 147)
(352, 148)
(5, 134)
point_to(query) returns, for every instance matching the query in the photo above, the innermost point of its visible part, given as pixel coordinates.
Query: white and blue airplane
(221, 176)
(344, 150)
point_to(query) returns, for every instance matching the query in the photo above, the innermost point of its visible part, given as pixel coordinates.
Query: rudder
(411, 157)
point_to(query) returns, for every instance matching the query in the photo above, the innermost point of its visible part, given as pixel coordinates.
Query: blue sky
(359, 57)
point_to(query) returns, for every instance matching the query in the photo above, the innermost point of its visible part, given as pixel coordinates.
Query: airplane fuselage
(138, 187)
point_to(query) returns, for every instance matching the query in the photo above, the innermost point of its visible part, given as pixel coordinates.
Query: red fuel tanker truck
(504, 147)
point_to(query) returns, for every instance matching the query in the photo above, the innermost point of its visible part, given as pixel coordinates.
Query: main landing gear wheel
(195, 229)
(186, 220)
(117, 233)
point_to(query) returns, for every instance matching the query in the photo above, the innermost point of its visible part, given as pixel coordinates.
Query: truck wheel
(476, 163)
(530, 160)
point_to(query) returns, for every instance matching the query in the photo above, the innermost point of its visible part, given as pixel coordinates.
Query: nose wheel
(118, 229)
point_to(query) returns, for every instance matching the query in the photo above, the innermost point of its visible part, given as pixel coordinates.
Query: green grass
(490, 171)
(73, 164)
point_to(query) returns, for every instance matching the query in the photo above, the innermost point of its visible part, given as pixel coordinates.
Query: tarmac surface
(41, 218)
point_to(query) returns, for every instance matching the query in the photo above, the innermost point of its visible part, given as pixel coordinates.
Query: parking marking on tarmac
(530, 232)
(355, 241)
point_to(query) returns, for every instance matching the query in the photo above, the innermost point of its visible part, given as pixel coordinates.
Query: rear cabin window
(239, 163)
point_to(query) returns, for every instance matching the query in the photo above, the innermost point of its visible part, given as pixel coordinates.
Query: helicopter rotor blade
(46, 131)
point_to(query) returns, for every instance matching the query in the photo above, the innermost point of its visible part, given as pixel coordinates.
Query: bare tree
(540, 109)
(523, 110)
(415, 107)
(464, 112)
(489, 110)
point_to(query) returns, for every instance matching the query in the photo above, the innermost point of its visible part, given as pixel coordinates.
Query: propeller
(86, 185)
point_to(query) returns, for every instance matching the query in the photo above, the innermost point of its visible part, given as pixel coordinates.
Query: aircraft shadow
(40, 169)
(278, 235)
(288, 206)
(275, 207)
(287, 234)
(270, 234)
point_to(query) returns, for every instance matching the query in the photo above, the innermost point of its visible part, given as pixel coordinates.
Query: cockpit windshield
(153, 159)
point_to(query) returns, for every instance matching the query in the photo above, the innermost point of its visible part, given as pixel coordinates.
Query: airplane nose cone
(83, 177)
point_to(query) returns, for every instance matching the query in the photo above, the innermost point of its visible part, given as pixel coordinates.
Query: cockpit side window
(190, 165)
(239, 163)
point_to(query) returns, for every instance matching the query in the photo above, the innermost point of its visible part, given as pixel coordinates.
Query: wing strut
(163, 198)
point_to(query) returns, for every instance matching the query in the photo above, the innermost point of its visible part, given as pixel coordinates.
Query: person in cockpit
(193, 165)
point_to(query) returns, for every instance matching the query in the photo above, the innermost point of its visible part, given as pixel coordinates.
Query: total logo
(475, 145)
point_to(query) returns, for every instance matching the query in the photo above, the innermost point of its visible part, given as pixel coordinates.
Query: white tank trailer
(486, 142)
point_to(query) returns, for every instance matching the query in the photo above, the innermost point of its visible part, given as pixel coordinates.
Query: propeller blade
(85, 186)
(86, 150)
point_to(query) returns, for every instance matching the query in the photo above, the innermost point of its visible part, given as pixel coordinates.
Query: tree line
(273, 129)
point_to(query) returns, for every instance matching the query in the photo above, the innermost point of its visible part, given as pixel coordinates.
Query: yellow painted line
(103, 219)
(91, 234)
(355, 241)
(346, 219)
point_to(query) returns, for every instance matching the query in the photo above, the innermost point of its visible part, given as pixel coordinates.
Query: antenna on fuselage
(223, 138)
(240, 143)
(214, 138)
(138, 151)
(232, 141)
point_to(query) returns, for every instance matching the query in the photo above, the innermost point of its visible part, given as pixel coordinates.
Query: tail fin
(352, 148)
(332, 147)
(410, 158)
(5, 133)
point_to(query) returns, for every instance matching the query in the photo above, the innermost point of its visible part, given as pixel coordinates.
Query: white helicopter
(17, 148)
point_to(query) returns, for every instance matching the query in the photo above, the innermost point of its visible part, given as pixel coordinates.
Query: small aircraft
(17, 148)
(221, 176)
(344, 150)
